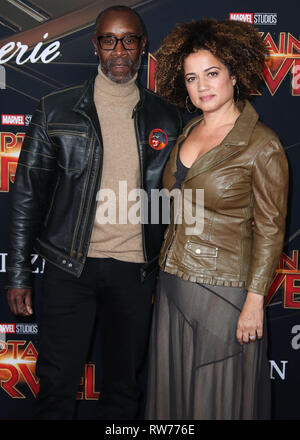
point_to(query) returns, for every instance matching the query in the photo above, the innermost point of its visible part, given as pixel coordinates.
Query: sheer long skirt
(197, 369)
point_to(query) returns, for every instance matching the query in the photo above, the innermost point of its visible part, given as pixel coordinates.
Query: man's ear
(94, 40)
(143, 43)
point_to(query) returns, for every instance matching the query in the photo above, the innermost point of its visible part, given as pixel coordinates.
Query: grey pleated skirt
(197, 369)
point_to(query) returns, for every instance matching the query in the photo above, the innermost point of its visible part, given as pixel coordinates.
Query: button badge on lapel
(158, 139)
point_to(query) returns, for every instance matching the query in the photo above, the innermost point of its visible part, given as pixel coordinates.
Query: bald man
(84, 143)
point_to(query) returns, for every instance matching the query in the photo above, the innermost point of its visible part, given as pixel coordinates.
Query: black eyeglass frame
(139, 37)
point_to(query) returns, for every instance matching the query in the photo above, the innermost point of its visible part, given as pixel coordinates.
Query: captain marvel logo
(158, 139)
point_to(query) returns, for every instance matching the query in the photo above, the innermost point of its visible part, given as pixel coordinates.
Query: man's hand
(20, 301)
(250, 323)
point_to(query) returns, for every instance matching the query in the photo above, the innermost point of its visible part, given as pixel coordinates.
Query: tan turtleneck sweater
(123, 239)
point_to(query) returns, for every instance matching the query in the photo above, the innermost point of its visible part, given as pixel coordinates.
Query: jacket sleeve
(270, 189)
(34, 179)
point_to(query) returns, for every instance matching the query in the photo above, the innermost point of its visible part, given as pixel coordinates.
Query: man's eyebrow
(112, 34)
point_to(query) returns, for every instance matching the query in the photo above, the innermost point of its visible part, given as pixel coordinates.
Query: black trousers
(110, 293)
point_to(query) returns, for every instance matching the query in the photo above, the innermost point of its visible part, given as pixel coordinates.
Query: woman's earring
(96, 53)
(236, 93)
(187, 105)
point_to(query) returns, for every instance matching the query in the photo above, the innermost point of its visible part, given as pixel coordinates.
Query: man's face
(119, 64)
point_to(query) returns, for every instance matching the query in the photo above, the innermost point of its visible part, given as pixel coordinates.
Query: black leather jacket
(59, 174)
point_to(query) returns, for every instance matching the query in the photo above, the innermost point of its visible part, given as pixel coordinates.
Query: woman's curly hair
(237, 44)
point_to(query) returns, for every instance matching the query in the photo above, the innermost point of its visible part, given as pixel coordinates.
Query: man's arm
(31, 191)
(20, 301)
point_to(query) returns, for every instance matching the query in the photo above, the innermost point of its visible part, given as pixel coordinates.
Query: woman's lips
(206, 98)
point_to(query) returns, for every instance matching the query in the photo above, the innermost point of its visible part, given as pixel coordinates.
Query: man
(82, 139)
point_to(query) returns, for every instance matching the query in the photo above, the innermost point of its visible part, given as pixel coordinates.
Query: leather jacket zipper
(66, 132)
(174, 232)
(73, 251)
(134, 116)
(169, 246)
(79, 253)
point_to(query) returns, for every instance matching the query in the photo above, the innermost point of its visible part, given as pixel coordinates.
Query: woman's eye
(212, 74)
(190, 79)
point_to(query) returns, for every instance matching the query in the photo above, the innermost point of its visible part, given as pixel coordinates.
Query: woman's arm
(250, 323)
(270, 186)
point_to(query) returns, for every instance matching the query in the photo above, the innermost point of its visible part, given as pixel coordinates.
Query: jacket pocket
(52, 201)
(199, 256)
(72, 143)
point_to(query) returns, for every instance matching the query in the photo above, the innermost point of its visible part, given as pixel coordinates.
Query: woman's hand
(250, 323)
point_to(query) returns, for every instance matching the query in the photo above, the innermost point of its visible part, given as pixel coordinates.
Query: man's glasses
(109, 42)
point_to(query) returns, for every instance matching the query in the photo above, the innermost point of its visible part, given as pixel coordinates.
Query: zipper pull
(73, 253)
(134, 111)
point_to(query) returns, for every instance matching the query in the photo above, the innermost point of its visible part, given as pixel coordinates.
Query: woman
(208, 355)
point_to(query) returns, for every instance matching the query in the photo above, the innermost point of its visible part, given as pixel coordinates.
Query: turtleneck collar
(105, 85)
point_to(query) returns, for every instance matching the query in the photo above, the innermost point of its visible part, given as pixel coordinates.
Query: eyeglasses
(109, 42)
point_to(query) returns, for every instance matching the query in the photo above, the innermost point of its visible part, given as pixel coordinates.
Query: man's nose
(119, 50)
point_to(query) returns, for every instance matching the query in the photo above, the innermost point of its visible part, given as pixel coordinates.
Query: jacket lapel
(86, 107)
(214, 157)
(236, 140)
(173, 156)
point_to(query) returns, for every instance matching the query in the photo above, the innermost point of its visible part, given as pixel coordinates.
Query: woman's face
(208, 81)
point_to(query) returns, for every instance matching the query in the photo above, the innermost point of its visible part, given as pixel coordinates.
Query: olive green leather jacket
(245, 182)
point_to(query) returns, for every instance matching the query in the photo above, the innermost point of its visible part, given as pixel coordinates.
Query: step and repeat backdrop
(46, 45)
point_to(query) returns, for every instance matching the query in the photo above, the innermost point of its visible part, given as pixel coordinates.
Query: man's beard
(127, 63)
